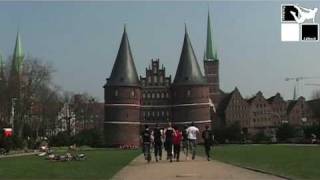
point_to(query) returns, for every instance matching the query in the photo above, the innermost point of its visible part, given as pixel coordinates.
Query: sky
(81, 40)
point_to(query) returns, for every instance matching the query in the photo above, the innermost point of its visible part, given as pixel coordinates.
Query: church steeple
(210, 52)
(18, 55)
(188, 71)
(124, 71)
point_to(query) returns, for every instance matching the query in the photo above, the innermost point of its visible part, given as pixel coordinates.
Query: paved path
(139, 169)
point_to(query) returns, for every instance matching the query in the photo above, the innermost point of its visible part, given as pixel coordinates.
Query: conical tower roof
(188, 71)
(124, 72)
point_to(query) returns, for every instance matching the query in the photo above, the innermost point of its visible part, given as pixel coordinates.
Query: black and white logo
(295, 25)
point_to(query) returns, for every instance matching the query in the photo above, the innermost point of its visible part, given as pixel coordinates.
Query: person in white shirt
(192, 132)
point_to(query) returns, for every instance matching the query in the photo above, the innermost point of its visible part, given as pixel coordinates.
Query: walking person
(158, 135)
(177, 138)
(169, 133)
(192, 132)
(185, 140)
(146, 141)
(208, 139)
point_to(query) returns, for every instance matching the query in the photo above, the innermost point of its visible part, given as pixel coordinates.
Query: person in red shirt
(177, 138)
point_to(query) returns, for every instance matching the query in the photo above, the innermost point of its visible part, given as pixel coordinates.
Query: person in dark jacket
(169, 133)
(157, 134)
(146, 141)
(185, 139)
(208, 141)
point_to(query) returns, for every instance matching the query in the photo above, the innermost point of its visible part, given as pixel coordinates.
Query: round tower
(122, 99)
(190, 90)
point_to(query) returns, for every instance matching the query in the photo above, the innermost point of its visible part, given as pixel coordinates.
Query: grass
(293, 161)
(100, 164)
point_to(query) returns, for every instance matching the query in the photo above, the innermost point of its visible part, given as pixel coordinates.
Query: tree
(34, 92)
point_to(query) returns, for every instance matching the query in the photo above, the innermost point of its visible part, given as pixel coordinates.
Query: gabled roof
(292, 103)
(273, 98)
(226, 100)
(188, 71)
(124, 72)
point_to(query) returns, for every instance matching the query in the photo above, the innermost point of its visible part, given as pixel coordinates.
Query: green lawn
(296, 162)
(100, 164)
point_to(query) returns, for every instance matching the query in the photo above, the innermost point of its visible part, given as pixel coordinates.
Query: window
(152, 95)
(161, 79)
(132, 93)
(158, 95)
(144, 95)
(162, 95)
(188, 92)
(149, 79)
(167, 95)
(116, 93)
(148, 95)
(155, 79)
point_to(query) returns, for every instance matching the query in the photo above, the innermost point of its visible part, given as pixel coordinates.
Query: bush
(231, 133)
(261, 137)
(91, 137)
(285, 132)
(61, 139)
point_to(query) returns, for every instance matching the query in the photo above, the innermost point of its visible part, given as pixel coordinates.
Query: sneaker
(156, 159)
(208, 159)
(160, 158)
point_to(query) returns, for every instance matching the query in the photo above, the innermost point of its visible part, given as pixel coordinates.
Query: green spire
(18, 54)
(211, 52)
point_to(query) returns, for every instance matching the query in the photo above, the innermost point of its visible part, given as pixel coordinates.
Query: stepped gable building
(300, 113)
(260, 113)
(279, 108)
(234, 108)
(156, 95)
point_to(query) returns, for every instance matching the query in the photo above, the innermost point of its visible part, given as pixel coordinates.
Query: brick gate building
(131, 102)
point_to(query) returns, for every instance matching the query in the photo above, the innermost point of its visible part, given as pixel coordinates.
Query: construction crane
(297, 84)
(312, 84)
